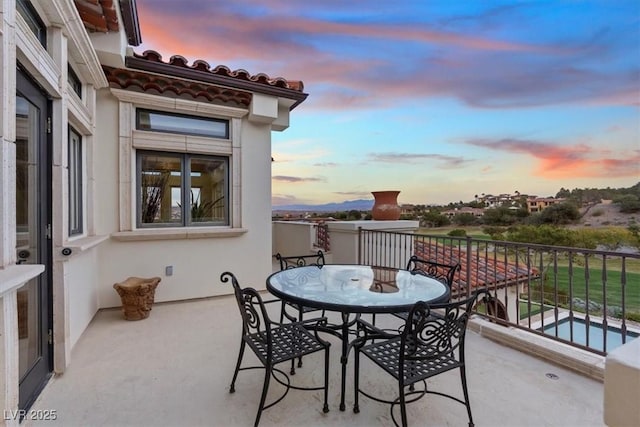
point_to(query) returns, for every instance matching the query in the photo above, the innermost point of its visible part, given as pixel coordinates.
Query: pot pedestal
(137, 296)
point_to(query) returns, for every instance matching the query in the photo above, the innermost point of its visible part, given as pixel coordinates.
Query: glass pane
(175, 123)
(75, 183)
(160, 180)
(28, 13)
(74, 81)
(28, 233)
(208, 184)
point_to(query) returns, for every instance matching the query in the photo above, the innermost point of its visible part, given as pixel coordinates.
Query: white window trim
(83, 180)
(131, 139)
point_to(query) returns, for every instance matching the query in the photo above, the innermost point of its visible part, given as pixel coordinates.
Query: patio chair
(445, 273)
(275, 343)
(294, 261)
(442, 272)
(427, 346)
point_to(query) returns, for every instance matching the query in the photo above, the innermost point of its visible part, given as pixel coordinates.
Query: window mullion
(186, 190)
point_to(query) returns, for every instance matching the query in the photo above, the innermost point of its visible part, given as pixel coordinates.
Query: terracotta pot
(385, 207)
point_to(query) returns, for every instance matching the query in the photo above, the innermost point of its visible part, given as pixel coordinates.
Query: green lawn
(596, 291)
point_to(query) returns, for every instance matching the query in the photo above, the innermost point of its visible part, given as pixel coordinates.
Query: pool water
(596, 336)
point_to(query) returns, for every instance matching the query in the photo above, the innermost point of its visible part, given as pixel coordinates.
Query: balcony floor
(174, 368)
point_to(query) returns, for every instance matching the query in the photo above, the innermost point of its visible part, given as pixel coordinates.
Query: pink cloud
(579, 160)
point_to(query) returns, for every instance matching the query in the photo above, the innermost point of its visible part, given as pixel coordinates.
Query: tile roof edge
(200, 70)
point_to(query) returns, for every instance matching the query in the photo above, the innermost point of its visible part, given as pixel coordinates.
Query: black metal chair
(427, 346)
(274, 343)
(442, 272)
(294, 261)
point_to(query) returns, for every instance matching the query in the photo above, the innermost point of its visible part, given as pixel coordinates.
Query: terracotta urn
(385, 206)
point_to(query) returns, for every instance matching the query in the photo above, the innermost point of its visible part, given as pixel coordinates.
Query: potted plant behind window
(203, 210)
(152, 192)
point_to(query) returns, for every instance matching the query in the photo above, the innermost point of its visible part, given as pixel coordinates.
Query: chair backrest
(293, 261)
(432, 331)
(443, 272)
(254, 314)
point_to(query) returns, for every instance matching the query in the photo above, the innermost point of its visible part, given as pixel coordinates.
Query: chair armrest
(373, 332)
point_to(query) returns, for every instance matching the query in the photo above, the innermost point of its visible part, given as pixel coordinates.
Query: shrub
(597, 212)
(457, 232)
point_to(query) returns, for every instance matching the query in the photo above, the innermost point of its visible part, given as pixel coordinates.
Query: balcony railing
(567, 294)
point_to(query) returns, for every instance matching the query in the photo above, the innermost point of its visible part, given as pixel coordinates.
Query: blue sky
(441, 100)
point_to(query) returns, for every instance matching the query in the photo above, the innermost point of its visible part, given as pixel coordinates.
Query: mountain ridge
(347, 205)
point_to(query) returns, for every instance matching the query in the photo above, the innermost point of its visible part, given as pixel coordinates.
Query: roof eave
(171, 70)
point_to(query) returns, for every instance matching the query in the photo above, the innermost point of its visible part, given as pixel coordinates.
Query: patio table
(354, 290)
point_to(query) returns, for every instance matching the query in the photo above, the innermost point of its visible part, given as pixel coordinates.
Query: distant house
(116, 164)
(538, 204)
(505, 199)
(477, 212)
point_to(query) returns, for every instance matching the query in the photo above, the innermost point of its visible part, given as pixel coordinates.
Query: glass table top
(355, 288)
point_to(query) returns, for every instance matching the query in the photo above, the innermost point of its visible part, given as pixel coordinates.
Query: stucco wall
(293, 238)
(197, 263)
(81, 275)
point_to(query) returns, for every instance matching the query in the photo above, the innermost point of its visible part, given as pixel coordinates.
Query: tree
(501, 215)
(434, 219)
(464, 219)
(560, 213)
(496, 233)
(629, 203)
(354, 215)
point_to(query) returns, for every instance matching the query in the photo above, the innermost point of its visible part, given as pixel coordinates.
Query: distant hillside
(358, 205)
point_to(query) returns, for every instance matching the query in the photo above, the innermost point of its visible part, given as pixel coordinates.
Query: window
(29, 14)
(177, 190)
(75, 183)
(159, 121)
(74, 81)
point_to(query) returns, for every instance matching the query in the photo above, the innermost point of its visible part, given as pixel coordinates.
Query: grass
(535, 309)
(596, 292)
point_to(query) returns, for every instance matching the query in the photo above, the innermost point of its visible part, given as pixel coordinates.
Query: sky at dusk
(441, 99)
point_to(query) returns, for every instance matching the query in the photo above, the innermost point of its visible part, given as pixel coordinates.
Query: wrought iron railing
(587, 298)
(322, 237)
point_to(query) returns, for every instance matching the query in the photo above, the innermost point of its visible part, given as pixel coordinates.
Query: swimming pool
(614, 334)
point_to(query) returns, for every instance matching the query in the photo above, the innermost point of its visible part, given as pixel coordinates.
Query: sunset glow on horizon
(441, 100)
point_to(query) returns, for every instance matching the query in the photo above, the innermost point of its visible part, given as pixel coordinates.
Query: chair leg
(300, 312)
(325, 409)
(463, 378)
(282, 313)
(403, 406)
(265, 388)
(232, 389)
(356, 379)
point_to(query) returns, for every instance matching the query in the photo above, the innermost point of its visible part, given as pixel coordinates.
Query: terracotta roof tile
(221, 70)
(98, 15)
(139, 81)
(484, 271)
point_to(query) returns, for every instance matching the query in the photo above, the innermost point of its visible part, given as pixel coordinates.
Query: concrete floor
(174, 369)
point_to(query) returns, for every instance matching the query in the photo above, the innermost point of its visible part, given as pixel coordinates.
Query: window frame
(75, 181)
(184, 116)
(25, 9)
(73, 81)
(185, 190)
(130, 140)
